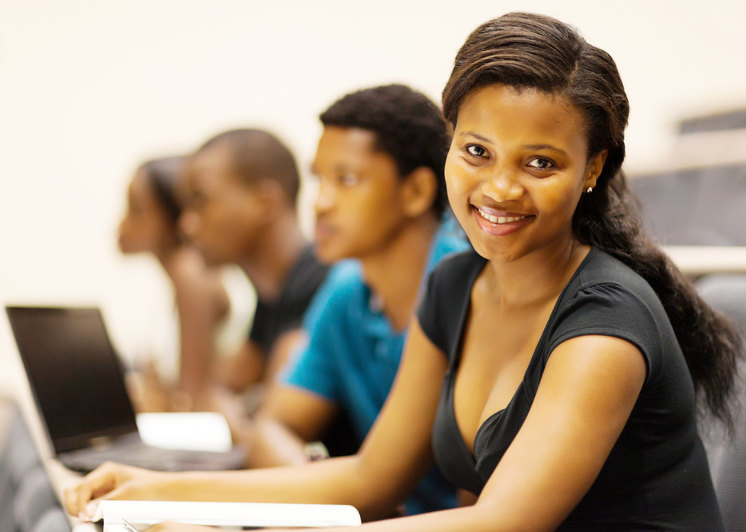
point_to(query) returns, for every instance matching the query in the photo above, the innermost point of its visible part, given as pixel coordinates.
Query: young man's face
(359, 202)
(218, 216)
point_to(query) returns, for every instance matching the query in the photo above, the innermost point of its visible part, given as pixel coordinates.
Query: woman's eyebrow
(545, 147)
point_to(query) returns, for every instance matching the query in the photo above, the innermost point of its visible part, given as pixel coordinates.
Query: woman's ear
(594, 168)
(419, 191)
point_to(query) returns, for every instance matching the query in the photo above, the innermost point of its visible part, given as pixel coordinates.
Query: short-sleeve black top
(656, 476)
(272, 319)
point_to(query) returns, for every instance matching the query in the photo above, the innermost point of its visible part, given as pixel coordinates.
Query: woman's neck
(167, 251)
(535, 277)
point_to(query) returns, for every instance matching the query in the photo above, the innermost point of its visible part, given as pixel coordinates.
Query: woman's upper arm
(398, 446)
(201, 301)
(586, 394)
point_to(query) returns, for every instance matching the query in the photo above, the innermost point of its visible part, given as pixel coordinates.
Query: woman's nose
(502, 185)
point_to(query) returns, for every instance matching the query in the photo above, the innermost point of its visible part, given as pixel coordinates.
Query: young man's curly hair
(408, 125)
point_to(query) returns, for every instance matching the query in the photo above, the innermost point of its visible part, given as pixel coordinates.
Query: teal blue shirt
(353, 354)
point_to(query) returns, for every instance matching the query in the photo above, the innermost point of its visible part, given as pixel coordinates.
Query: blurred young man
(242, 187)
(381, 199)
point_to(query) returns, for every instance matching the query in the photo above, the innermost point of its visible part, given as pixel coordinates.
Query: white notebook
(223, 514)
(198, 431)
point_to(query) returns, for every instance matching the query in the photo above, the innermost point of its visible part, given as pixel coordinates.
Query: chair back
(28, 502)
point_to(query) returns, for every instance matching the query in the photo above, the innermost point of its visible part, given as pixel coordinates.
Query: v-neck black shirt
(656, 476)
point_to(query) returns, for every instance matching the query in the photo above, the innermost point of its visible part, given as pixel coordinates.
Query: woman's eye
(476, 151)
(541, 164)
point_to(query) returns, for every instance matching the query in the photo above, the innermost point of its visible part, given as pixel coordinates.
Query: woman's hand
(110, 481)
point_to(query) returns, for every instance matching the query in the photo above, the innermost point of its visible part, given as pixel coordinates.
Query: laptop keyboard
(156, 458)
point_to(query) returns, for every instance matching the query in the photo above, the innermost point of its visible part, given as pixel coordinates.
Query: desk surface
(700, 260)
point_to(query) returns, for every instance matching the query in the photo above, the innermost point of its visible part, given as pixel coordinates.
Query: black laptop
(78, 383)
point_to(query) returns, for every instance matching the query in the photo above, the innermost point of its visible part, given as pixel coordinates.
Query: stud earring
(589, 190)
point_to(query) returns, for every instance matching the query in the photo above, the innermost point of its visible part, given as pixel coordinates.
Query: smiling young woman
(557, 370)
(516, 169)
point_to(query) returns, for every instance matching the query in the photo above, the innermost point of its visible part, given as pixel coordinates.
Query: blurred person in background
(150, 225)
(242, 187)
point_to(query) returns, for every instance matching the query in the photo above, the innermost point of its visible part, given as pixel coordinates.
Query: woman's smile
(500, 222)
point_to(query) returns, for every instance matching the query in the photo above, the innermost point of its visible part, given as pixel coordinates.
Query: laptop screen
(74, 373)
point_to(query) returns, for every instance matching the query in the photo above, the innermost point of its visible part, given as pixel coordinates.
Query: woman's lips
(500, 223)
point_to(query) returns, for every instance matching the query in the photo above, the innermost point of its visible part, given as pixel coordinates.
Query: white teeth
(499, 219)
(508, 219)
(489, 217)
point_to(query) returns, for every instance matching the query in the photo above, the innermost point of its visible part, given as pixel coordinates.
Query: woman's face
(516, 168)
(145, 226)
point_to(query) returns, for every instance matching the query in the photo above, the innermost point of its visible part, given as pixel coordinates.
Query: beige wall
(88, 88)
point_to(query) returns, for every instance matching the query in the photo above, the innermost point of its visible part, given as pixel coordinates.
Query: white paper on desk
(225, 514)
(200, 431)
